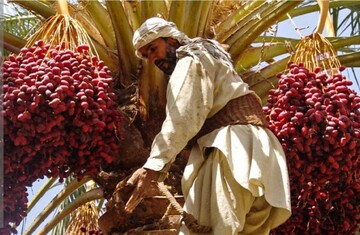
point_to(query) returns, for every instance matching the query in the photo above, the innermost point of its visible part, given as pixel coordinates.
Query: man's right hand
(141, 179)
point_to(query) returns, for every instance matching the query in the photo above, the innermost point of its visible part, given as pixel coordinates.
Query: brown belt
(244, 110)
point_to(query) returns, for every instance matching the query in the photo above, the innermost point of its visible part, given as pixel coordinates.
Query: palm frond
(89, 196)
(350, 24)
(20, 25)
(57, 200)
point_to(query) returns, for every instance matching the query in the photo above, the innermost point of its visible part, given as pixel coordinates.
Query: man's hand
(141, 179)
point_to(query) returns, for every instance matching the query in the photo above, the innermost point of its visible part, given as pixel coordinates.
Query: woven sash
(244, 110)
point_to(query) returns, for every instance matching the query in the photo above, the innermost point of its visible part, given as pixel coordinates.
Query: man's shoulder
(194, 49)
(204, 49)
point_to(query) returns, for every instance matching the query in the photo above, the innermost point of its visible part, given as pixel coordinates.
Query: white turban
(154, 28)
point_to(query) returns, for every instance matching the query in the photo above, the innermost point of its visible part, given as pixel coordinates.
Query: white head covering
(154, 28)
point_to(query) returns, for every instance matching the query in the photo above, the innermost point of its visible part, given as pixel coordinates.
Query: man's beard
(168, 64)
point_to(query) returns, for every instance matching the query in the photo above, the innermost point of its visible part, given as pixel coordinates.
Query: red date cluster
(60, 118)
(316, 117)
(91, 232)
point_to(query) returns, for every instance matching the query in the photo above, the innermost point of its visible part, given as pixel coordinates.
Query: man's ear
(173, 41)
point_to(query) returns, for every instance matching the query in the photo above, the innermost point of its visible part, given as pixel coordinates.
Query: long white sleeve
(189, 100)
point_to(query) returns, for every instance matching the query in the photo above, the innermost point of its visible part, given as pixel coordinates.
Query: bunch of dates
(60, 118)
(316, 117)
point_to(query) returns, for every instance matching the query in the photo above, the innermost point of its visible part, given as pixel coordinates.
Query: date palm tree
(247, 28)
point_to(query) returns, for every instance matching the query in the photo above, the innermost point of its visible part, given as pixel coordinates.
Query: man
(236, 179)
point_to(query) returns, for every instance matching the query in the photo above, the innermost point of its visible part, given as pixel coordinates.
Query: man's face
(161, 52)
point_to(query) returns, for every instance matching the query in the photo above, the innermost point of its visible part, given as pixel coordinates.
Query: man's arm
(189, 100)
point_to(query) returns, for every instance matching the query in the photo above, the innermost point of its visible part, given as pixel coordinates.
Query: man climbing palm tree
(236, 179)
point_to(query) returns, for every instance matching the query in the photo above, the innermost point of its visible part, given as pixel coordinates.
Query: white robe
(198, 88)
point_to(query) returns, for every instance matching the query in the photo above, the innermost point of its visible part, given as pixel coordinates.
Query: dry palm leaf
(222, 9)
(85, 218)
